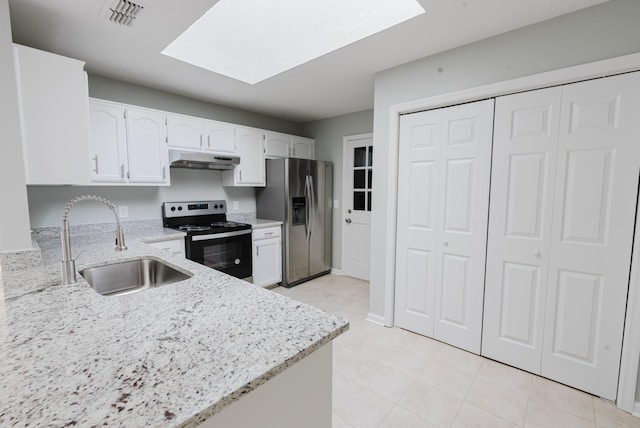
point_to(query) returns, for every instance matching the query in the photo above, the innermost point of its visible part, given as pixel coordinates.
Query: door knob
(348, 220)
(536, 253)
(445, 241)
(349, 210)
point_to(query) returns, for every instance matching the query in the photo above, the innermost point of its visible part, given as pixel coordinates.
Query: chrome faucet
(69, 264)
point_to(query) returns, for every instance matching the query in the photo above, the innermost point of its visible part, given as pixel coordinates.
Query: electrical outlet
(123, 211)
(236, 205)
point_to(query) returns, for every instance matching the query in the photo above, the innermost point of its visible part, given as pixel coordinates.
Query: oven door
(228, 252)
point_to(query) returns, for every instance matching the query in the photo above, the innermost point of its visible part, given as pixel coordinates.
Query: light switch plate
(123, 211)
(236, 205)
(336, 203)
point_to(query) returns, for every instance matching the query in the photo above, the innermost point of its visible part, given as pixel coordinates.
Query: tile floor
(389, 377)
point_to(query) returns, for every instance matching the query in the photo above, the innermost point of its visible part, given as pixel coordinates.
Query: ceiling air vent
(123, 12)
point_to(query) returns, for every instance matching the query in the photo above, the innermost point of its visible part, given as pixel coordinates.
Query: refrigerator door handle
(307, 208)
(312, 197)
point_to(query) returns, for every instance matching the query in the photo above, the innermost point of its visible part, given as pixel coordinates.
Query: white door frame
(623, 64)
(345, 170)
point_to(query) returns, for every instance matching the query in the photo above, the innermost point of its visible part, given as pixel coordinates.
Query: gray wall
(328, 134)
(46, 202)
(604, 31)
(14, 227)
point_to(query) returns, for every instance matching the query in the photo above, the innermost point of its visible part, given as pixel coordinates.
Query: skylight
(252, 40)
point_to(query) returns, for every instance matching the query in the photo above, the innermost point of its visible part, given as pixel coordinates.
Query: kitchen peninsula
(178, 355)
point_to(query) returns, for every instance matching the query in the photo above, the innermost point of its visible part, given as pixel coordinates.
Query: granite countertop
(167, 356)
(260, 223)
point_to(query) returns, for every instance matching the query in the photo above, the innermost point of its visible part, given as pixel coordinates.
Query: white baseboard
(336, 272)
(376, 319)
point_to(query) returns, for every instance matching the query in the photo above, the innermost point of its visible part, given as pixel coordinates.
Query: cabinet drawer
(269, 232)
(175, 246)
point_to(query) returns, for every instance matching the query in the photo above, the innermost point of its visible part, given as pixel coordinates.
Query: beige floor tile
(408, 358)
(545, 416)
(470, 416)
(546, 393)
(386, 381)
(431, 403)
(441, 375)
(460, 360)
(338, 422)
(401, 418)
(339, 385)
(506, 376)
(361, 407)
(609, 416)
(350, 364)
(499, 401)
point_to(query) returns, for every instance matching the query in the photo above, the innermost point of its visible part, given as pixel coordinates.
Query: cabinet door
(592, 232)
(522, 186)
(185, 131)
(277, 145)
(147, 149)
(220, 137)
(108, 143)
(267, 262)
(302, 147)
(53, 97)
(251, 170)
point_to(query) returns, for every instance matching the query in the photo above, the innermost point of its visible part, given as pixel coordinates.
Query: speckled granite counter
(168, 356)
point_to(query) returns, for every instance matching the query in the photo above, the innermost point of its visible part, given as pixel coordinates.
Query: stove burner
(193, 228)
(226, 224)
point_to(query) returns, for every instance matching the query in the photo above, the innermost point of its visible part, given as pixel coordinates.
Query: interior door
(463, 208)
(522, 185)
(417, 237)
(592, 231)
(356, 205)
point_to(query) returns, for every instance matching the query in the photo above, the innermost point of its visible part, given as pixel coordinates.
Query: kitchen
(442, 73)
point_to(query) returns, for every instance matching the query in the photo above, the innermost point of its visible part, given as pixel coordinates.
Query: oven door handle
(213, 236)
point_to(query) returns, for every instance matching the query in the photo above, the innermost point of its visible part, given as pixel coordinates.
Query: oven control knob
(221, 206)
(173, 208)
(237, 261)
(180, 208)
(215, 206)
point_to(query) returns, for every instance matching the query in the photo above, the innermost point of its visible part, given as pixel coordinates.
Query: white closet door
(443, 192)
(593, 221)
(418, 176)
(463, 207)
(522, 186)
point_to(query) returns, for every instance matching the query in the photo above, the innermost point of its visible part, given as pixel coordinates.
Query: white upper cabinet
(128, 145)
(54, 115)
(251, 170)
(302, 147)
(147, 149)
(108, 143)
(185, 131)
(220, 137)
(277, 145)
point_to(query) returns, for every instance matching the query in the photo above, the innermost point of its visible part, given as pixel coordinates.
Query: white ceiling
(334, 84)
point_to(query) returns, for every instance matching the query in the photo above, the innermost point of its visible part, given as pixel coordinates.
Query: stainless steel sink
(131, 276)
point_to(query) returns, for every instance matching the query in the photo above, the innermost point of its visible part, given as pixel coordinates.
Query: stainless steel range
(211, 240)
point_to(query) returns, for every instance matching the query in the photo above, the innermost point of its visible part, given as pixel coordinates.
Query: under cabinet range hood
(202, 160)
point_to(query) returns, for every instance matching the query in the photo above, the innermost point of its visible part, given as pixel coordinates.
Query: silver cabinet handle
(240, 176)
(348, 221)
(268, 233)
(164, 172)
(201, 140)
(257, 251)
(209, 141)
(95, 159)
(122, 171)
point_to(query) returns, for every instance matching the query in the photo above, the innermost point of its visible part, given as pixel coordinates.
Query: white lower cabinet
(563, 202)
(267, 256)
(128, 145)
(443, 198)
(173, 245)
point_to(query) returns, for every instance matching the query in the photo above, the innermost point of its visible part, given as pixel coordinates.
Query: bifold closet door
(592, 232)
(522, 184)
(443, 191)
(563, 201)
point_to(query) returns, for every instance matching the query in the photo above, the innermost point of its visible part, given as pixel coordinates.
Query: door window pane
(370, 157)
(359, 201)
(360, 156)
(369, 178)
(368, 201)
(358, 179)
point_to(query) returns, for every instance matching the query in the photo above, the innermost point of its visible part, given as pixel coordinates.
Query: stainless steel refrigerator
(299, 193)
